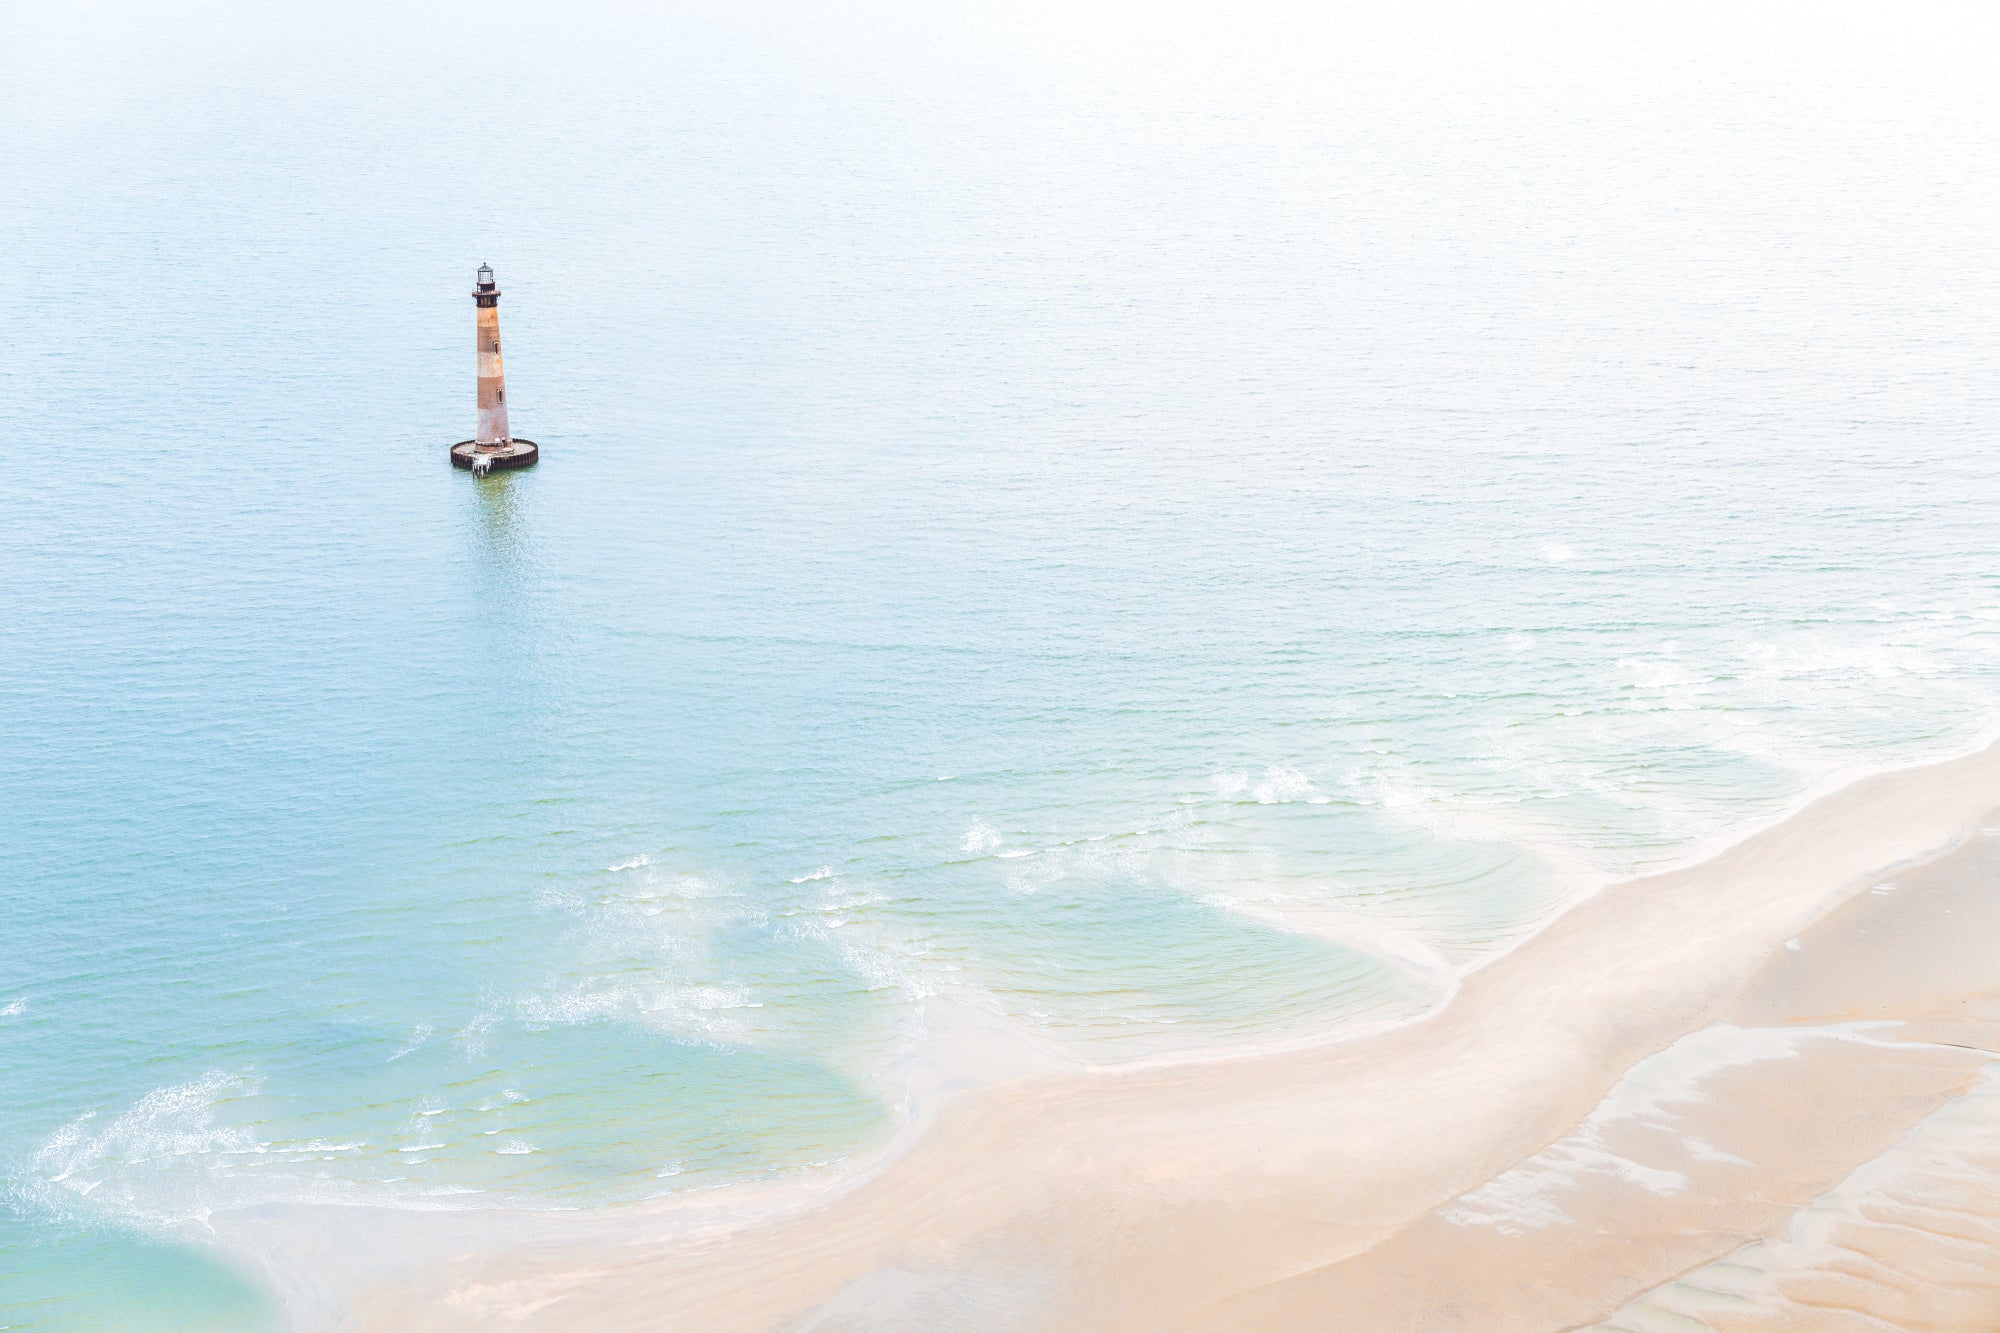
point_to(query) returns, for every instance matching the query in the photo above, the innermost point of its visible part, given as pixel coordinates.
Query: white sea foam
(169, 1133)
(1284, 785)
(472, 1038)
(1279, 785)
(1656, 674)
(418, 1037)
(688, 1008)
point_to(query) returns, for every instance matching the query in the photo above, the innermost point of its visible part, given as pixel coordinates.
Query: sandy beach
(1751, 1093)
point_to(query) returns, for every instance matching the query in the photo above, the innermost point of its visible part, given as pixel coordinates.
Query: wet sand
(1751, 1093)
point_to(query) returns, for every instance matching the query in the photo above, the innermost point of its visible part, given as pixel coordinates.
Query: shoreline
(1076, 1199)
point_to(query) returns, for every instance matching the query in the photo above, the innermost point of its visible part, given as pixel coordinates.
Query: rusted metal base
(514, 453)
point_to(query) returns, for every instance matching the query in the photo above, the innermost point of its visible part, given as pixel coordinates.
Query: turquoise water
(1113, 531)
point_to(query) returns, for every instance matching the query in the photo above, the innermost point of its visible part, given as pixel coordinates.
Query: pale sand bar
(1595, 1130)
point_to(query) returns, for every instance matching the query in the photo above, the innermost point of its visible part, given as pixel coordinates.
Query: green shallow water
(1120, 533)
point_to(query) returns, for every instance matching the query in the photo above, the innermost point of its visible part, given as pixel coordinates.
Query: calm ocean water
(1072, 533)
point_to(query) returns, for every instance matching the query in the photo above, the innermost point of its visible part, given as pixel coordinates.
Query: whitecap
(1281, 786)
(471, 1038)
(418, 1037)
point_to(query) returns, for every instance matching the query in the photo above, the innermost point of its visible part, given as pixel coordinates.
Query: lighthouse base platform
(514, 453)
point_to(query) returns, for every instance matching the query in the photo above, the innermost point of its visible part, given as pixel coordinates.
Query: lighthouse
(494, 446)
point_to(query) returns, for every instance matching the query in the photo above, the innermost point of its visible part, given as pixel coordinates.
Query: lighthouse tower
(492, 378)
(495, 445)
